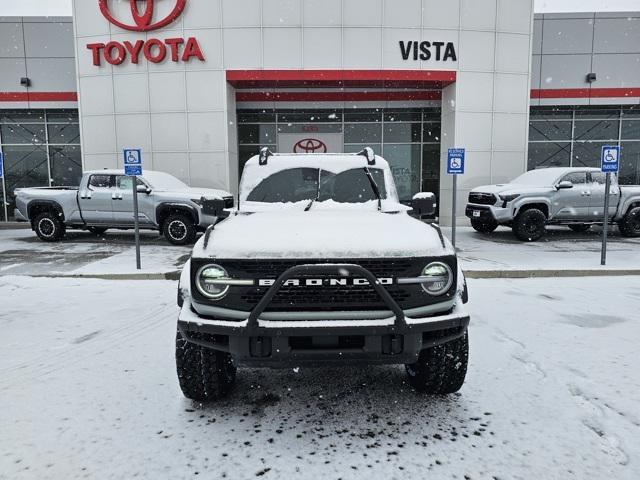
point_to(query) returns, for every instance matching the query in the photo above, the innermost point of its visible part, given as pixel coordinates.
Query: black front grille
(325, 297)
(482, 198)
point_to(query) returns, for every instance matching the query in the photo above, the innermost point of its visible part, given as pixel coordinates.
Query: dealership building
(201, 85)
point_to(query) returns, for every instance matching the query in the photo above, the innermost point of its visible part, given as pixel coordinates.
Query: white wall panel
(322, 48)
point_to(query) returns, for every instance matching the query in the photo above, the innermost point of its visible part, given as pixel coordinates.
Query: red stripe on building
(340, 78)
(538, 94)
(38, 97)
(338, 96)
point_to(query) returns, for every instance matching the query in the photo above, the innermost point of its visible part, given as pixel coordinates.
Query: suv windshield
(305, 184)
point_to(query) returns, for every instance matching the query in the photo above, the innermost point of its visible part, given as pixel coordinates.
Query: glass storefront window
(630, 163)
(257, 134)
(596, 130)
(403, 132)
(544, 155)
(41, 148)
(550, 130)
(631, 130)
(405, 162)
(363, 133)
(587, 154)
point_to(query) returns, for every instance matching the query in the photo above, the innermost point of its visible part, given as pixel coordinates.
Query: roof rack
(369, 154)
(265, 153)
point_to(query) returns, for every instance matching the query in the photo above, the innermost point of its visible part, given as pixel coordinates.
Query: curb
(488, 274)
(475, 274)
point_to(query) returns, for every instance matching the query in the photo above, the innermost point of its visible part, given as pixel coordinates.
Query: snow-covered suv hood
(322, 234)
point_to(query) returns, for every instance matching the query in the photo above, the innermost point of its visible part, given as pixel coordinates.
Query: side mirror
(564, 185)
(214, 207)
(424, 204)
(143, 189)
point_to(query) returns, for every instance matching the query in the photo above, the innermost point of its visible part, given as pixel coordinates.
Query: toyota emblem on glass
(310, 145)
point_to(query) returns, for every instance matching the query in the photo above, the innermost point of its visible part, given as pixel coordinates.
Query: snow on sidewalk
(88, 389)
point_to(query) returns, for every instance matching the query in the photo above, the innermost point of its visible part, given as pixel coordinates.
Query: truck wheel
(441, 369)
(97, 230)
(179, 229)
(204, 374)
(630, 224)
(48, 227)
(484, 226)
(580, 228)
(529, 225)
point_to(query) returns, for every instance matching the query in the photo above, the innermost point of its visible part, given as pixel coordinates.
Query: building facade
(201, 85)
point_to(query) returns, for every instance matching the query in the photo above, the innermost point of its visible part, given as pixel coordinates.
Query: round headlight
(207, 282)
(438, 278)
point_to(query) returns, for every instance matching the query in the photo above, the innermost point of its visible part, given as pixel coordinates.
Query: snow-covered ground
(88, 390)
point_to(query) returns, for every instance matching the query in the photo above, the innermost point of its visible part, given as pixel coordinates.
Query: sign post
(455, 167)
(610, 163)
(4, 187)
(133, 168)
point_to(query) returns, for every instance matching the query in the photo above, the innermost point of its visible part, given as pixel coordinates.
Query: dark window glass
(23, 134)
(100, 181)
(596, 130)
(431, 169)
(126, 183)
(545, 113)
(405, 162)
(390, 117)
(432, 115)
(597, 112)
(318, 116)
(630, 164)
(631, 111)
(577, 178)
(587, 154)
(61, 133)
(257, 134)
(402, 132)
(66, 165)
(293, 185)
(363, 133)
(366, 116)
(62, 116)
(22, 116)
(550, 130)
(24, 166)
(631, 130)
(543, 155)
(432, 132)
(598, 177)
(351, 186)
(256, 116)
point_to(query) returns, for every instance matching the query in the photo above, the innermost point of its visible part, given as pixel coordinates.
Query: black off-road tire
(484, 226)
(630, 224)
(441, 370)
(179, 229)
(49, 227)
(97, 230)
(580, 228)
(529, 225)
(204, 374)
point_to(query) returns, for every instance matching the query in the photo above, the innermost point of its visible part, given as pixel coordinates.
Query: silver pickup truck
(554, 196)
(104, 200)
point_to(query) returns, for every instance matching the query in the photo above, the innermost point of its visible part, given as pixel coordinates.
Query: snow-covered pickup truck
(321, 265)
(104, 200)
(554, 196)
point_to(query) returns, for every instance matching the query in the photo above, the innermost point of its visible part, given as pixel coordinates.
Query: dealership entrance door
(408, 138)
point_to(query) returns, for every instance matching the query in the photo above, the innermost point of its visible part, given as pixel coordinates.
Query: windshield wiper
(374, 187)
(308, 207)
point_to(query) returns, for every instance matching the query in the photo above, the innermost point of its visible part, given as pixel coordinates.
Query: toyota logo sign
(143, 22)
(310, 145)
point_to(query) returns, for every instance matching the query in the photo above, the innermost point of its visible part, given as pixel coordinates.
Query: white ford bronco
(320, 264)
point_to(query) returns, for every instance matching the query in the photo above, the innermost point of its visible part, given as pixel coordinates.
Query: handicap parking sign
(455, 161)
(133, 162)
(610, 161)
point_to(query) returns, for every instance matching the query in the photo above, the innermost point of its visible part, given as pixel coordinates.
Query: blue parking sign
(455, 161)
(1, 164)
(610, 161)
(132, 162)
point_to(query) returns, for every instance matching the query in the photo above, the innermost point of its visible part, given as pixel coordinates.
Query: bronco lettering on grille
(322, 282)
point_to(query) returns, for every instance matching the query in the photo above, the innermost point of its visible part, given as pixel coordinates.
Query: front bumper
(18, 216)
(488, 213)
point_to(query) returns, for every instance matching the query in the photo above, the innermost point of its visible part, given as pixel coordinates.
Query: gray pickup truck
(104, 200)
(554, 196)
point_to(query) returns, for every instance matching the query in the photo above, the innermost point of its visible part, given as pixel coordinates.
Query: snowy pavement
(82, 253)
(88, 390)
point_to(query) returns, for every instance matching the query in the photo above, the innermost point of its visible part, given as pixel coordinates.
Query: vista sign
(153, 49)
